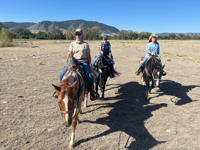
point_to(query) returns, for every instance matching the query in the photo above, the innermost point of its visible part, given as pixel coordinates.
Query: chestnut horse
(70, 93)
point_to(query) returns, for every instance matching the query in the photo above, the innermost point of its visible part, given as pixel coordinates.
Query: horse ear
(56, 88)
(73, 85)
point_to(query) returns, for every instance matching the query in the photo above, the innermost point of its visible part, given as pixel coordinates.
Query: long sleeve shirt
(106, 48)
(153, 48)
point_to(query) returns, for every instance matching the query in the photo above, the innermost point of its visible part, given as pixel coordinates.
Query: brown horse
(70, 93)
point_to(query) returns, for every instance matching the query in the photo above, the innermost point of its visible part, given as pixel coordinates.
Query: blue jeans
(145, 59)
(159, 61)
(86, 68)
(110, 60)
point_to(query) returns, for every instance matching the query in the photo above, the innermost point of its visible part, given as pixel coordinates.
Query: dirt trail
(30, 117)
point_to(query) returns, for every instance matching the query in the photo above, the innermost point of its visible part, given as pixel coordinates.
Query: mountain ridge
(48, 26)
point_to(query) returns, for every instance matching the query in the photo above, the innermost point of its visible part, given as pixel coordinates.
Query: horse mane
(153, 63)
(103, 61)
(64, 84)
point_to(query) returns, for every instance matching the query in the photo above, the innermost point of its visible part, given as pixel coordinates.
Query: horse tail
(114, 74)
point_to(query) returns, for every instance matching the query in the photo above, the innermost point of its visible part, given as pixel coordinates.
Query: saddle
(81, 72)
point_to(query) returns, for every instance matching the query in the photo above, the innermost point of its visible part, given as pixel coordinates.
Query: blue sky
(154, 16)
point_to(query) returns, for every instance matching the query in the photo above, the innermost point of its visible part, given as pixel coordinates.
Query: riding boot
(93, 94)
(138, 72)
(163, 72)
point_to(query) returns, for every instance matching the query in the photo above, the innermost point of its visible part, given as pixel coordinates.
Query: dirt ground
(30, 117)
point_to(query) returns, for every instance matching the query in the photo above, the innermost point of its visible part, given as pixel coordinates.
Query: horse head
(66, 97)
(103, 67)
(157, 71)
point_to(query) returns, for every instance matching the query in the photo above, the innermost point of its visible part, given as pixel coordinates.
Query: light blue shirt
(153, 48)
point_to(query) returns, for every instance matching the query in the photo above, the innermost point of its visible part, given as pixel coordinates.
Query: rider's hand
(91, 68)
(110, 56)
(159, 56)
(152, 53)
(70, 53)
(101, 52)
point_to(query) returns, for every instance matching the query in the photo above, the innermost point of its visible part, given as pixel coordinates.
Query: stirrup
(137, 73)
(95, 97)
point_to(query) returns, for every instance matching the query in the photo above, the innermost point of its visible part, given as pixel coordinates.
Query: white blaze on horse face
(65, 100)
(157, 80)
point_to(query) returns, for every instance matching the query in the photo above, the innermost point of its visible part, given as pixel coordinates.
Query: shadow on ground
(177, 91)
(128, 115)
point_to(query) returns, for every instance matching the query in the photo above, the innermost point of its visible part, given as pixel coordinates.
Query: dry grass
(124, 120)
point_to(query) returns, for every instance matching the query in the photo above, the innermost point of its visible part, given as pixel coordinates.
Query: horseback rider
(80, 51)
(105, 49)
(152, 48)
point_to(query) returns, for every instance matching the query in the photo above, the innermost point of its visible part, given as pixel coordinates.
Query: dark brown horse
(103, 67)
(152, 72)
(70, 93)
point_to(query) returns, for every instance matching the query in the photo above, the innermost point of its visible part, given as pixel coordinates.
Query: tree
(70, 33)
(180, 36)
(57, 34)
(22, 33)
(2, 26)
(165, 37)
(41, 35)
(144, 35)
(195, 37)
(6, 37)
(171, 36)
(4, 33)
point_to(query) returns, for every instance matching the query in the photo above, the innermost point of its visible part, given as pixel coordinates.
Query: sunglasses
(78, 34)
(105, 39)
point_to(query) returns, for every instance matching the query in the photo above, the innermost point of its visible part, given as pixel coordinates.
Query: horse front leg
(97, 84)
(152, 85)
(104, 84)
(147, 87)
(74, 123)
(143, 81)
(85, 99)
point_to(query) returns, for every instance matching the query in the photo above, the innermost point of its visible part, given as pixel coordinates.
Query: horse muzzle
(157, 83)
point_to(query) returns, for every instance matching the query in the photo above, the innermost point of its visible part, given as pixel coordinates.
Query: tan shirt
(80, 51)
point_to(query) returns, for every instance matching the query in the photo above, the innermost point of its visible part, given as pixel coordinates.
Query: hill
(48, 26)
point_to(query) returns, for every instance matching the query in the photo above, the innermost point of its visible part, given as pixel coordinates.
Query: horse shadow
(128, 115)
(177, 91)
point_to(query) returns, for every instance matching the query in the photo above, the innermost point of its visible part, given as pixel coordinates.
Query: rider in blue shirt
(105, 48)
(151, 49)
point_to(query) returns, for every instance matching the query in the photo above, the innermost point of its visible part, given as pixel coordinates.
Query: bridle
(76, 97)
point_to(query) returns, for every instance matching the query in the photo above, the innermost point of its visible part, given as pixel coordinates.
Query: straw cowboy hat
(153, 35)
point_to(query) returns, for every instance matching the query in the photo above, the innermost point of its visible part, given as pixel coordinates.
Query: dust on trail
(30, 117)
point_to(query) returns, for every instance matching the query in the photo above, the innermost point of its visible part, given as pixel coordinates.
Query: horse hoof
(149, 92)
(71, 145)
